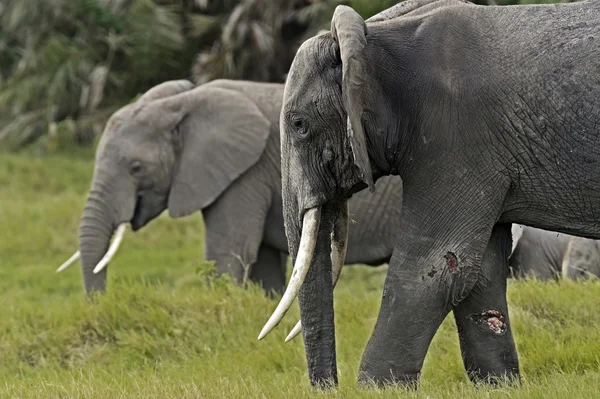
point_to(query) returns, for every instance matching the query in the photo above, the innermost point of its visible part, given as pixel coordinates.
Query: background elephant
(213, 148)
(477, 149)
(581, 259)
(550, 255)
(537, 253)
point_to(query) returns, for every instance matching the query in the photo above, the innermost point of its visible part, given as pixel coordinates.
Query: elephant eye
(300, 125)
(135, 167)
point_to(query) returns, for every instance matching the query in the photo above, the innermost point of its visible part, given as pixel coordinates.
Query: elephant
(549, 255)
(581, 259)
(489, 116)
(214, 148)
(537, 253)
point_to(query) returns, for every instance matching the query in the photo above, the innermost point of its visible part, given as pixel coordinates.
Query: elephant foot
(388, 379)
(495, 378)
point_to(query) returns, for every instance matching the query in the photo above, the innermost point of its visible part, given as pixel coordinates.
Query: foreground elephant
(550, 255)
(213, 148)
(490, 117)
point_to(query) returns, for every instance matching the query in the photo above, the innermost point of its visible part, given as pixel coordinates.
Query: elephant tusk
(565, 262)
(295, 331)
(69, 262)
(112, 250)
(516, 231)
(339, 244)
(308, 241)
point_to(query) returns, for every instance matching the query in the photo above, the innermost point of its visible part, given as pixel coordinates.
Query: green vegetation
(161, 332)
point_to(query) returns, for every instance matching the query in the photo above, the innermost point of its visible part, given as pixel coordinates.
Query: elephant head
(177, 147)
(581, 258)
(324, 161)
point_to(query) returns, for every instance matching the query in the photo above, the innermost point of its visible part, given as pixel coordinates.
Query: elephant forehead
(119, 118)
(313, 56)
(129, 146)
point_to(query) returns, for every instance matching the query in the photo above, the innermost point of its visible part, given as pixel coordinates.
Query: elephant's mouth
(137, 221)
(361, 185)
(147, 207)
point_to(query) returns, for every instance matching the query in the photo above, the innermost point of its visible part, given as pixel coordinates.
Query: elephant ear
(349, 31)
(223, 135)
(166, 89)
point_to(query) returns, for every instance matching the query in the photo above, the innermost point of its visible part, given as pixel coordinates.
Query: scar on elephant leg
(491, 320)
(452, 262)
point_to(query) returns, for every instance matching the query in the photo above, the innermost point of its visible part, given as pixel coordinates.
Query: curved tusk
(308, 241)
(69, 262)
(295, 331)
(565, 262)
(112, 250)
(339, 244)
(516, 231)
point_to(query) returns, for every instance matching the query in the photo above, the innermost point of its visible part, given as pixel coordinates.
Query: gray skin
(490, 116)
(548, 255)
(538, 253)
(213, 148)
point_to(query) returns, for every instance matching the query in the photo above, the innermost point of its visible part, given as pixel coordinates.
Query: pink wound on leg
(452, 262)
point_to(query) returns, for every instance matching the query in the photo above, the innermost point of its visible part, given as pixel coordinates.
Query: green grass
(160, 332)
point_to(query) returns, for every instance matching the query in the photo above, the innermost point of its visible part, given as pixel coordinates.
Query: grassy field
(160, 332)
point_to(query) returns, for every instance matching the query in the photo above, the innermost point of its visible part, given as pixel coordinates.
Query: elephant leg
(486, 341)
(235, 228)
(435, 264)
(269, 271)
(412, 309)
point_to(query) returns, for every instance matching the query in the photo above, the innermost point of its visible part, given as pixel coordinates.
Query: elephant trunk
(101, 216)
(95, 230)
(339, 245)
(316, 309)
(110, 203)
(312, 282)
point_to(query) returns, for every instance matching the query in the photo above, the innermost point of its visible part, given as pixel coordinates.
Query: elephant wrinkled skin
(489, 115)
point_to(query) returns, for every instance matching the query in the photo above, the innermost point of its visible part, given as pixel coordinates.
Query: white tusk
(565, 262)
(69, 262)
(308, 241)
(295, 331)
(112, 250)
(339, 244)
(517, 232)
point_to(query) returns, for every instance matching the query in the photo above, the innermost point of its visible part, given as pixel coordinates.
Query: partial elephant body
(538, 253)
(490, 117)
(582, 258)
(216, 149)
(550, 255)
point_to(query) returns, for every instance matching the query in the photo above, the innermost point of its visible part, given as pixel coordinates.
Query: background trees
(66, 65)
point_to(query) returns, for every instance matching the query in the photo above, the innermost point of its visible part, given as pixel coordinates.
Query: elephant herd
(440, 128)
